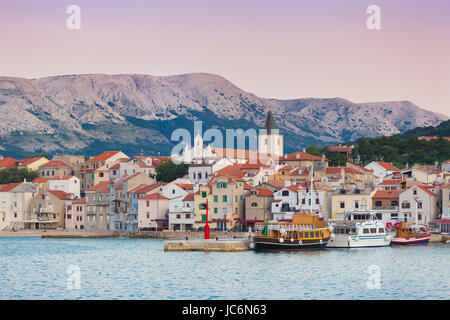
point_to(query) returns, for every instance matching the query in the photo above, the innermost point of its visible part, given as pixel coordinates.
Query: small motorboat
(409, 233)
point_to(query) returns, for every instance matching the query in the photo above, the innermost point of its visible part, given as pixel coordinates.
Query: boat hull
(362, 242)
(274, 244)
(415, 240)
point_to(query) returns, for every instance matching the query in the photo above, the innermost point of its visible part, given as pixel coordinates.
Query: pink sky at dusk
(277, 49)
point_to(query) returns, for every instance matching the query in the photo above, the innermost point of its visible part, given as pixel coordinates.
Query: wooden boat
(306, 231)
(409, 233)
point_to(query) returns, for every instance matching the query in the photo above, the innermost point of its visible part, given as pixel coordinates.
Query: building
(303, 159)
(97, 207)
(446, 166)
(270, 142)
(386, 203)
(75, 217)
(183, 219)
(15, 201)
(382, 169)
(418, 204)
(446, 201)
(54, 168)
(96, 169)
(48, 210)
(32, 163)
(318, 199)
(153, 212)
(258, 206)
(349, 200)
(285, 203)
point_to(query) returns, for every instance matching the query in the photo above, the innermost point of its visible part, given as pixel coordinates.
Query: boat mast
(311, 189)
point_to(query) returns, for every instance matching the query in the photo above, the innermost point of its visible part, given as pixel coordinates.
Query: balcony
(385, 208)
(46, 210)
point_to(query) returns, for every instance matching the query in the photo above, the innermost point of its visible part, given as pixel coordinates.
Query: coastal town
(114, 191)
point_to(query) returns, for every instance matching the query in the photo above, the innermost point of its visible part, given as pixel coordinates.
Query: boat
(410, 233)
(306, 231)
(359, 229)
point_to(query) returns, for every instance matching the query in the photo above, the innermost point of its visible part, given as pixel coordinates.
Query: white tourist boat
(359, 229)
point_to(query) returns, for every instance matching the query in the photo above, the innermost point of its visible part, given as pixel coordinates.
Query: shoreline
(164, 235)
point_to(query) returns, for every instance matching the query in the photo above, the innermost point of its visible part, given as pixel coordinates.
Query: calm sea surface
(35, 268)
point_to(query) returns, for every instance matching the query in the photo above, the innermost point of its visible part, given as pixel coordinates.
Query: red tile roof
(189, 197)
(388, 166)
(341, 149)
(55, 163)
(60, 194)
(80, 201)
(387, 194)
(264, 192)
(8, 187)
(426, 190)
(300, 156)
(144, 188)
(154, 196)
(25, 162)
(8, 163)
(337, 170)
(389, 183)
(99, 186)
(104, 156)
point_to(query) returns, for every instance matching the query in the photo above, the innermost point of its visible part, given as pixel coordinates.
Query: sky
(282, 49)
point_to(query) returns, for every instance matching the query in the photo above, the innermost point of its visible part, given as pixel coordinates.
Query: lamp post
(207, 225)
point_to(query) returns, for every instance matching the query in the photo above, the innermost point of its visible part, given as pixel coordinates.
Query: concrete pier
(221, 245)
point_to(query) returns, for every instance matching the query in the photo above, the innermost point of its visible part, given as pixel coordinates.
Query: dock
(218, 245)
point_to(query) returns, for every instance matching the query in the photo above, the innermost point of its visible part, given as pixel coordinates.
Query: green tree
(16, 175)
(313, 150)
(169, 171)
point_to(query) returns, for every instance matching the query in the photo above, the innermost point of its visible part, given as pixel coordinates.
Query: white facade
(150, 210)
(423, 211)
(66, 184)
(379, 170)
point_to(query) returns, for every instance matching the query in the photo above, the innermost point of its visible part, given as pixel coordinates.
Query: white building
(15, 199)
(418, 200)
(381, 169)
(70, 184)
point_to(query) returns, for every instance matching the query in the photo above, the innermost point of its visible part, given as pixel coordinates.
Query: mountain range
(86, 114)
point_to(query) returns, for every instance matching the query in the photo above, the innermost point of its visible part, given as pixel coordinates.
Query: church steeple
(270, 123)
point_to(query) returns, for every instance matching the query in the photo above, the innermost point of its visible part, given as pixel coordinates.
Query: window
(342, 205)
(216, 210)
(317, 201)
(224, 198)
(419, 217)
(303, 201)
(365, 230)
(216, 198)
(381, 230)
(356, 204)
(285, 193)
(224, 210)
(377, 203)
(405, 205)
(311, 234)
(254, 204)
(202, 206)
(235, 198)
(317, 234)
(419, 205)
(203, 194)
(373, 230)
(415, 192)
(235, 210)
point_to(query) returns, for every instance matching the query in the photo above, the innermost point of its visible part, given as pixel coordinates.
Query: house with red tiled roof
(258, 206)
(33, 163)
(386, 203)
(382, 169)
(75, 218)
(55, 168)
(48, 209)
(318, 201)
(153, 212)
(15, 204)
(7, 163)
(389, 184)
(303, 159)
(130, 166)
(418, 204)
(96, 169)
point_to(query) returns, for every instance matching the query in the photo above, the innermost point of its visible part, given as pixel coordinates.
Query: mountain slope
(85, 113)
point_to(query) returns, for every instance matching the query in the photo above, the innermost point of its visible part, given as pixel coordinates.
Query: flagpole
(311, 189)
